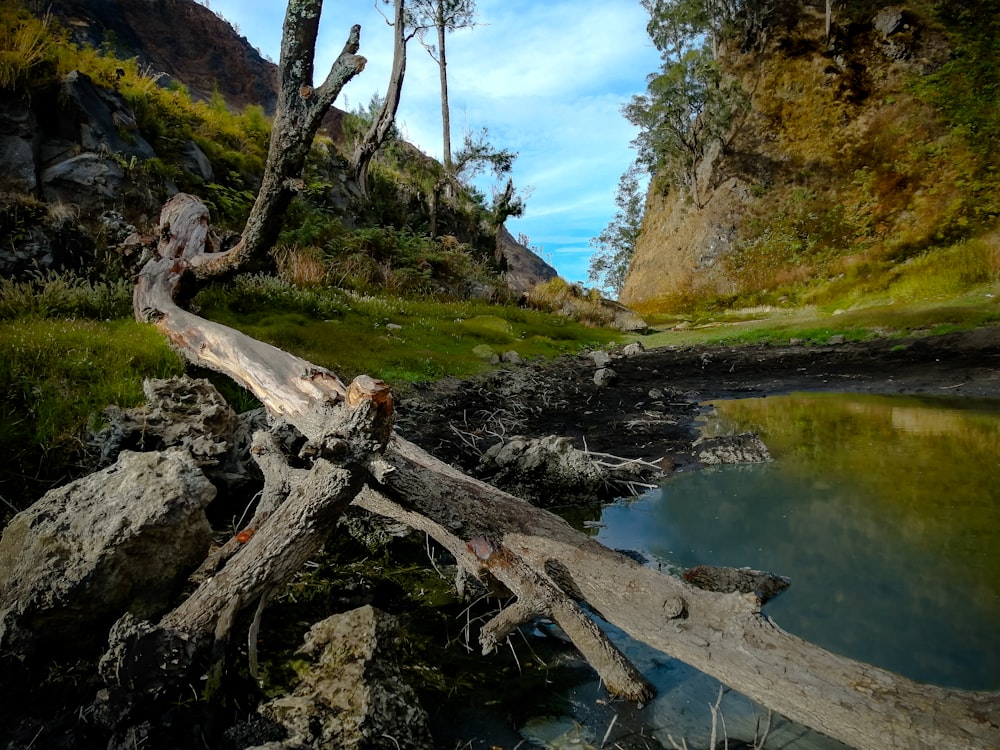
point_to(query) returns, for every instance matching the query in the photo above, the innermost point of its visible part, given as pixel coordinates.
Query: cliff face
(814, 167)
(181, 38)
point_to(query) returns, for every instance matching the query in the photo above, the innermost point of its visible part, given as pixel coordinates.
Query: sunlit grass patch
(395, 338)
(56, 377)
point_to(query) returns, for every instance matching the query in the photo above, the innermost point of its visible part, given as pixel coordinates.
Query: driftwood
(547, 564)
(353, 456)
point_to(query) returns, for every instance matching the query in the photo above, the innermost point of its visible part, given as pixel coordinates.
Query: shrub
(25, 45)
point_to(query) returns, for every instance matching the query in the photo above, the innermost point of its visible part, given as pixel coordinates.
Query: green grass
(56, 377)
(353, 334)
(777, 326)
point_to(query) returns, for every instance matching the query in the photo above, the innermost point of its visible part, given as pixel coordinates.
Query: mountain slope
(181, 38)
(846, 167)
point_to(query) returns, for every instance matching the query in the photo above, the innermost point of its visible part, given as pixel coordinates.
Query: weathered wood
(300, 110)
(723, 635)
(537, 596)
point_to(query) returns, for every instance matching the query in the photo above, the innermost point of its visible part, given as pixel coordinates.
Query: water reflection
(884, 512)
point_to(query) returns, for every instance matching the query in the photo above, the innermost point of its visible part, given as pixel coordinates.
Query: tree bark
(379, 130)
(300, 111)
(442, 62)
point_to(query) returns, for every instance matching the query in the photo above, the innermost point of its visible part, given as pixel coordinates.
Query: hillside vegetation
(859, 170)
(356, 283)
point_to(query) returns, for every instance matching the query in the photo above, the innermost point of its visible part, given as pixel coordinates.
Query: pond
(883, 511)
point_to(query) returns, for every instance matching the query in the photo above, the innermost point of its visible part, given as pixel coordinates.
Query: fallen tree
(353, 456)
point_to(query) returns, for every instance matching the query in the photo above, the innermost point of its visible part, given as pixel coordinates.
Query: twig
(758, 744)
(608, 732)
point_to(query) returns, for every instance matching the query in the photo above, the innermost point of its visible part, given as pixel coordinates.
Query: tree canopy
(689, 104)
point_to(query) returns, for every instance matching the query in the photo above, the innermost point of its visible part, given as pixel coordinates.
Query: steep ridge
(827, 163)
(181, 38)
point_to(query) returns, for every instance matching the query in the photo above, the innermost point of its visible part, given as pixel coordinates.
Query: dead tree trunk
(301, 108)
(379, 130)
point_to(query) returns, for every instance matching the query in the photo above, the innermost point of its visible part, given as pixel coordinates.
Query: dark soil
(651, 411)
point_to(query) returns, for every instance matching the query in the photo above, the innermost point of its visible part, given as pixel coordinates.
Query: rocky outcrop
(747, 448)
(352, 696)
(186, 413)
(120, 539)
(524, 268)
(815, 106)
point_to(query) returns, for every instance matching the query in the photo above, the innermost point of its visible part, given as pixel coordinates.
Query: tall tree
(477, 155)
(382, 123)
(615, 245)
(443, 16)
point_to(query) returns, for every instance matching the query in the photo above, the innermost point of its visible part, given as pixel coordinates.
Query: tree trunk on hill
(379, 130)
(301, 109)
(552, 569)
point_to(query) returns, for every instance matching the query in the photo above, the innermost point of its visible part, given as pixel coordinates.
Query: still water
(884, 512)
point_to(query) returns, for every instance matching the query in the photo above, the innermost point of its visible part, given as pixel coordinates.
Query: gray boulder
(121, 539)
(601, 358)
(89, 181)
(100, 119)
(546, 470)
(888, 20)
(352, 696)
(18, 131)
(188, 413)
(18, 159)
(634, 349)
(194, 160)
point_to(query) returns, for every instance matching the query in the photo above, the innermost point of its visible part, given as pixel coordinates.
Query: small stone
(655, 394)
(485, 351)
(837, 340)
(512, 358)
(796, 342)
(634, 349)
(605, 376)
(393, 327)
(601, 358)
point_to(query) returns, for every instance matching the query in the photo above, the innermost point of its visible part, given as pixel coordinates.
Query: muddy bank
(650, 410)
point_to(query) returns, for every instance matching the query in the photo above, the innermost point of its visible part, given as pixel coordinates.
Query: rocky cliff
(181, 38)
(832, 160)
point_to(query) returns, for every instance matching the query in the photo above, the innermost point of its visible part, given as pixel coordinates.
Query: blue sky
(547, 79)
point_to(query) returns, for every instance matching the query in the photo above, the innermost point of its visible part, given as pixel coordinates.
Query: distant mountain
(524, 268)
